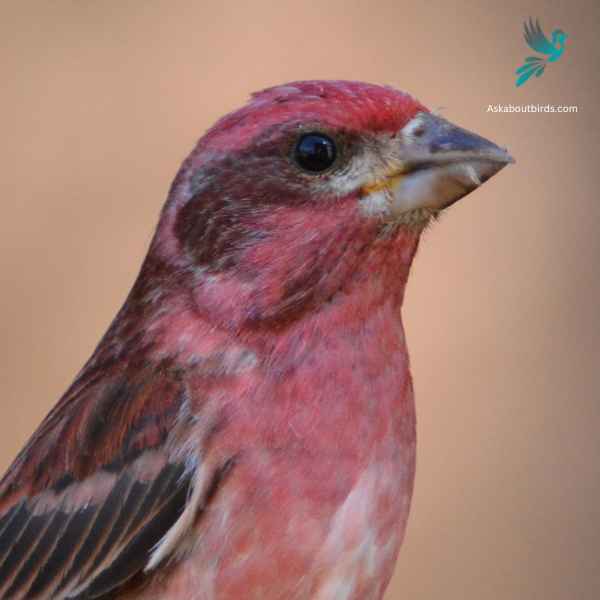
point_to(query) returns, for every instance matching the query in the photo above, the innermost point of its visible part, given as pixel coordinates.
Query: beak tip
(495, 154)
(508, 158)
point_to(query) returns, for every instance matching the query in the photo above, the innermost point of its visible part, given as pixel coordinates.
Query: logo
(537, 41)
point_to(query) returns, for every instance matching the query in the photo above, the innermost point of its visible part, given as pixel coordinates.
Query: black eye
(315, 152)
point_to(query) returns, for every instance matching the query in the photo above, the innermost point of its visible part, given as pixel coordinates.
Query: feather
(524, 76)
(535, 38)
(80, 518)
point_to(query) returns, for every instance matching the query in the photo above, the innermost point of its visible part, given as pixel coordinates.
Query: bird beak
(435, 164)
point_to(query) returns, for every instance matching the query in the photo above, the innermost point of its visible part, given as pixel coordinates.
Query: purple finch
(246, 427)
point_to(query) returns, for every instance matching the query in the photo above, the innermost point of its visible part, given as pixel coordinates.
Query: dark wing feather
(96, 489)
(87, 552)
(535, 38)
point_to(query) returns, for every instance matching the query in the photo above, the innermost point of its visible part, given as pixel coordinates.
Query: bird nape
(246, 427)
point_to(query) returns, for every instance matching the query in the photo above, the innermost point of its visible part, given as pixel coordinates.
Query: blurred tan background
(101, 101)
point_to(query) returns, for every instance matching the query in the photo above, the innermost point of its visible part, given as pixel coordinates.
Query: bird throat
(304, 268)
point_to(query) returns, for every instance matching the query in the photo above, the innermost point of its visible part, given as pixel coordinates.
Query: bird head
(282, 201)
(559, 37)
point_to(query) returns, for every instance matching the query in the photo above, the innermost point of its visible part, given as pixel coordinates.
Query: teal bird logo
(537, 41)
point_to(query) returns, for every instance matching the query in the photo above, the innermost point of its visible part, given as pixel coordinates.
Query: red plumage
(246, 427)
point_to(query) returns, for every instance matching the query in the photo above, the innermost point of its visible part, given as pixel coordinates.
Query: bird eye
(315, 152)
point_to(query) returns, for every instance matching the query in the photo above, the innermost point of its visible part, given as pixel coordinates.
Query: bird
(246, 426)
(537, 41)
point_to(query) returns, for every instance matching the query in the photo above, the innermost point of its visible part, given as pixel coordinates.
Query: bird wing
(97, 489)
(535, 38)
